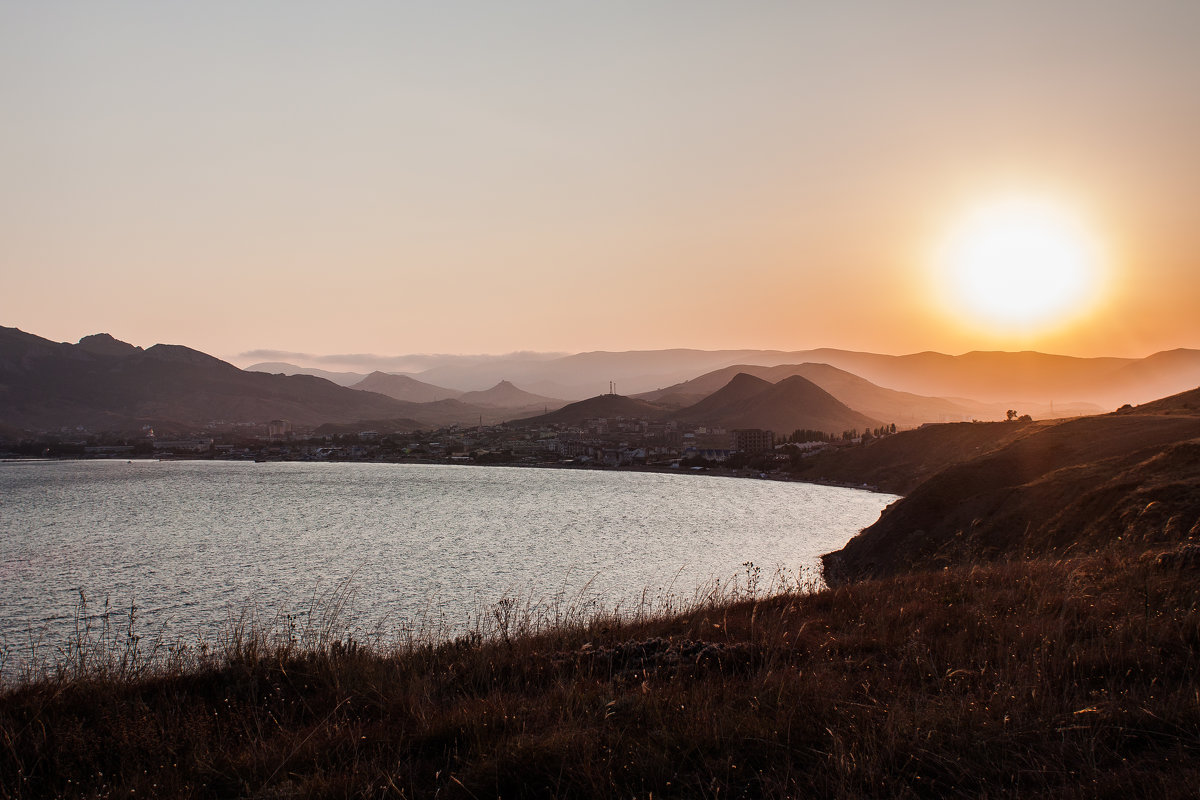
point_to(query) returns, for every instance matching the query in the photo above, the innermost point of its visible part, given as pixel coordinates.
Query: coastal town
(595, 442)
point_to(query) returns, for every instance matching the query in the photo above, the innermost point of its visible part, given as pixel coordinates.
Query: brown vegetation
(1067, 679)
(1050, 490)
(904, 461)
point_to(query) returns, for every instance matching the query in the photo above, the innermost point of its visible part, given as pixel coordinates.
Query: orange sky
(481, 177)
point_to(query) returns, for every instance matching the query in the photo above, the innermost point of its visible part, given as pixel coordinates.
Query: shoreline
(716, 473)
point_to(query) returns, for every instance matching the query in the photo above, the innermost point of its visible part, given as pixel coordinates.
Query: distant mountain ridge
(991, 378)
(903, 408)
(405, 387)
(1004, 377)
(737, 391)
(888, 405)
(506, 395)
(402, 387)
(281, 368)
(792, 403)
(745, 402)
(102, 384)
(604, 406)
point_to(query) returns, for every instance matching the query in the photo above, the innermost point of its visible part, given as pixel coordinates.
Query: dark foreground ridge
(1073, 678)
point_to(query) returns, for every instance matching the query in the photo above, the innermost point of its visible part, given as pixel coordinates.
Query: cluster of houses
(619, 441)
(599, 441)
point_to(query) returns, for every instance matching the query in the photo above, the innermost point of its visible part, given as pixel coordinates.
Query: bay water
(194, 545)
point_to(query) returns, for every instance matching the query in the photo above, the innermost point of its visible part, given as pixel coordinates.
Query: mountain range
(101, 384)
(792, 403)
(403, 387)
(990, 379)
(903, 408)
(744, 402)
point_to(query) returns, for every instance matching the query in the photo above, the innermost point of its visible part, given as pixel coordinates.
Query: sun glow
(1019, 266)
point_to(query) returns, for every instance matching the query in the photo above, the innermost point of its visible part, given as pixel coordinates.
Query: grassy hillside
(1044, 490)
(1044, 679)
(901, 462)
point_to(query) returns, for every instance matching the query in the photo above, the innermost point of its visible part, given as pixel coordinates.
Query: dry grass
(1074, 678)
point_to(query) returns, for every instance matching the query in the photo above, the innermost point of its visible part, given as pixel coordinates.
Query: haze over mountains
(505, 395)
(993, 379)
(281, 368)
(792, 403)
(104, 384)
(402, 387)
(744, 402)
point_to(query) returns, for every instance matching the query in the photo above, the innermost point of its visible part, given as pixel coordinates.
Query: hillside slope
(740, 388)
(505, 395)
(604, 406)
(402, 387)
(284, 368)
(901, 462)
(903, 408)
(792, 403)
(1065, 488)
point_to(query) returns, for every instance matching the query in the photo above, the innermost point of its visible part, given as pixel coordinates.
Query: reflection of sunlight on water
(194, 544)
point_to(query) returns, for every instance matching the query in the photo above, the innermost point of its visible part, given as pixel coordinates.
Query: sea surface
(193, 546)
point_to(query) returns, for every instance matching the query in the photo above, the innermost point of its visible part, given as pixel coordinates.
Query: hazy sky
(401, 177)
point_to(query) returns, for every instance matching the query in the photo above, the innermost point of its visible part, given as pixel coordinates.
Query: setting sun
(1019, 265)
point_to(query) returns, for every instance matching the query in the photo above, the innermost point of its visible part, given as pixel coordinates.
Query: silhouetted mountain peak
(795, 402)
(404, 387)
(18, 347)
(746, 380)
(48, 385)
(799, 382)
(102, 344)
(506, 395)
(600, 406)
(734, 395)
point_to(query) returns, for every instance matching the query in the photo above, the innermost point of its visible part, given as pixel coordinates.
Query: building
(279, 429)
(752, 440)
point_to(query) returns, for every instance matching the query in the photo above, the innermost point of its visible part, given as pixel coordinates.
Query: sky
(481, 177)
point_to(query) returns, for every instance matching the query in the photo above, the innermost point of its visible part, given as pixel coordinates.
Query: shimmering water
(194, 544)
